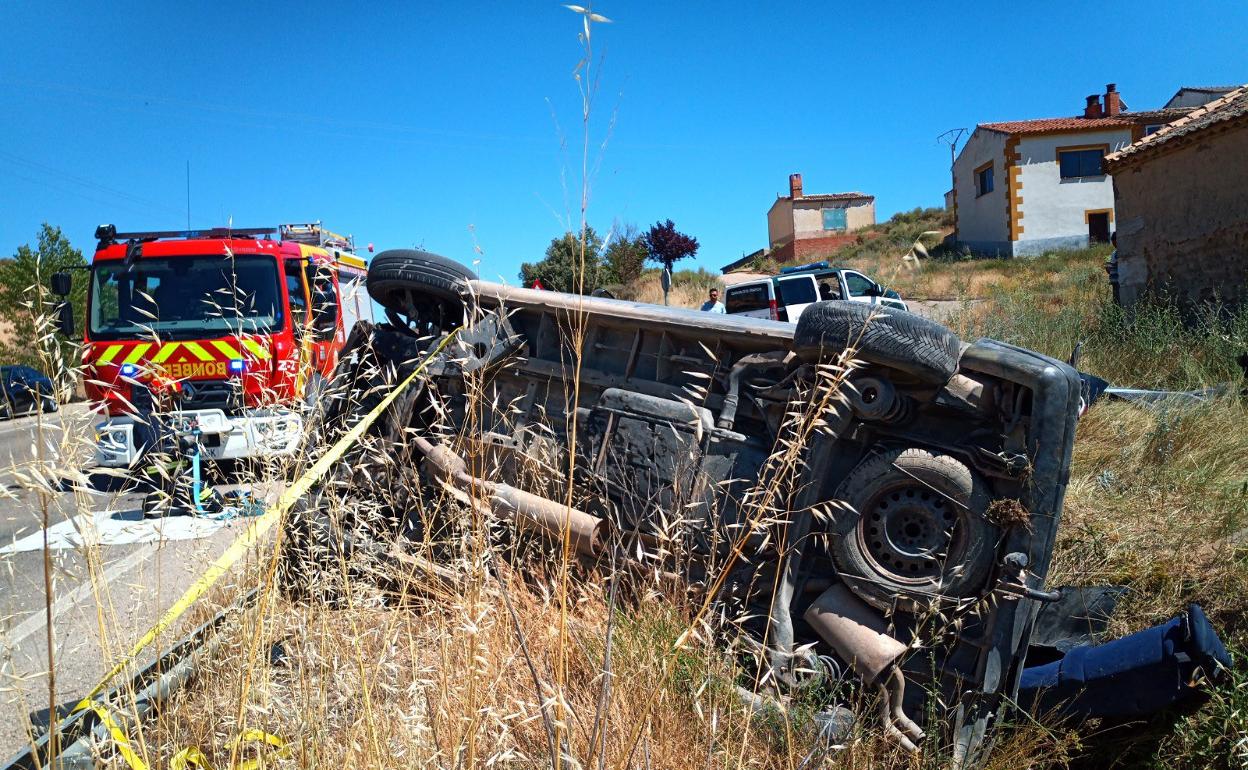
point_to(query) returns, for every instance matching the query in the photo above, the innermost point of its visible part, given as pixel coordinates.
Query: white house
(1028, 186)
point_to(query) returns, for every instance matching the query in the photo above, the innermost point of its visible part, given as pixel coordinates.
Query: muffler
(552, 518)
(859, 636)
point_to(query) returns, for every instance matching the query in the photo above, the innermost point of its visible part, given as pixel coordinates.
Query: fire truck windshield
(186, 297)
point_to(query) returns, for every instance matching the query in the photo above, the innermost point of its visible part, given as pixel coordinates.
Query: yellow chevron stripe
(198, 351)
(227, 348)
(166, 350)
(137, 353)
(256, 349)
(108, 354)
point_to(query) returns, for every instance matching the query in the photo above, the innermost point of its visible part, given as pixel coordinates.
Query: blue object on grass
(1136, 675)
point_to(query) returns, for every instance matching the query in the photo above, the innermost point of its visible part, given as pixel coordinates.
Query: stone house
(1181, 194)
(801, 226)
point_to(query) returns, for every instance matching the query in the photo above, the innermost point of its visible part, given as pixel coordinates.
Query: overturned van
(862, 490)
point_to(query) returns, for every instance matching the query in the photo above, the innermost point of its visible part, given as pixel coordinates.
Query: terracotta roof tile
(1044, 125)
(1232, 105)
(843, 196)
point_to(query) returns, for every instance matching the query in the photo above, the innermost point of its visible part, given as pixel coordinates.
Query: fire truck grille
(211, 394)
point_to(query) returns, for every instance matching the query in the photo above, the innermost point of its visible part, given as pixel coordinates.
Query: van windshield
(186, 297)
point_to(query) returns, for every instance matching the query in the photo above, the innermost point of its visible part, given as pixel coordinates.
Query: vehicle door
(859, 288)
(794, 294)
(326, 317)
(754, 299)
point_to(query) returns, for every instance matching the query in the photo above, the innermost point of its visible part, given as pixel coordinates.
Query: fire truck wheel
(419, 285)
(912, 522)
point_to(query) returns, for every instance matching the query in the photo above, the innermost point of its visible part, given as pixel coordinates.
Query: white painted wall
(1052, 211)
(981, 220)
(808, 216)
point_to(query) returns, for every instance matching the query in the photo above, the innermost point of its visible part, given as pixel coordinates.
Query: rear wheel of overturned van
(420, 291)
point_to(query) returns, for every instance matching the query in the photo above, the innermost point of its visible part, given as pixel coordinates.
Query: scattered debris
(1134, 676)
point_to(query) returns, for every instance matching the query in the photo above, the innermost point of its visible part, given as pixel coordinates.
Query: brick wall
(812, 249)
(1181, 224)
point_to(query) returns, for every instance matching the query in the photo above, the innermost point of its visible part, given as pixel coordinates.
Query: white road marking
(38, 619)
(115, 528)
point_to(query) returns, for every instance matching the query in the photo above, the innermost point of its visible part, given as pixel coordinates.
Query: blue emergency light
(129, 370)
(804, 268)
(237, 366)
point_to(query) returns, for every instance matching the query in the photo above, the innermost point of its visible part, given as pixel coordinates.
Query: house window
(983, 179)
(1083, 161)
(834, 219)
(1152, 129)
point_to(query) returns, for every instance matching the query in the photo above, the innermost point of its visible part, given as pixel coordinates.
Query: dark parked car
(26, 391)
(889, 520)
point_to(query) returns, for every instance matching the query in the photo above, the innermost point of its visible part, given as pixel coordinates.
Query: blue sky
(447, 125)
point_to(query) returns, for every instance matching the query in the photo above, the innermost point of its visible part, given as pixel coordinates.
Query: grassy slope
(1158, 499)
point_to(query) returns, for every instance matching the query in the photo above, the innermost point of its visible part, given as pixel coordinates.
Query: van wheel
(425, 290)
(894, 338)
(911, 522)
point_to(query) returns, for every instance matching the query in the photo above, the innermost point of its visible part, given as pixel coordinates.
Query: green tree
(27, 277)
(625, 257)
(561, 270)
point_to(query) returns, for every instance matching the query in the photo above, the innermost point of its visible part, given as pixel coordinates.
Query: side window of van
(796, 291)
(743, 299)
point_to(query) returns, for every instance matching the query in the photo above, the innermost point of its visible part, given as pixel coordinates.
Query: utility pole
(951, 138)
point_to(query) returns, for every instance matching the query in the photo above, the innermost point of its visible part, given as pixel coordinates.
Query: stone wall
(1183, 220)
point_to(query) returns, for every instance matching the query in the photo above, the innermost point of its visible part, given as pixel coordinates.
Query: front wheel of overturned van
(911, 522)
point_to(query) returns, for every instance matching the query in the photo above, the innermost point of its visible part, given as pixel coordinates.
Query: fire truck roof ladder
(315, 234)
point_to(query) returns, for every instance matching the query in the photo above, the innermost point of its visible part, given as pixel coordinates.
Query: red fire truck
(226, 331)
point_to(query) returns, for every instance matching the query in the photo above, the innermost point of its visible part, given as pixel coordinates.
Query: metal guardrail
(69, 746)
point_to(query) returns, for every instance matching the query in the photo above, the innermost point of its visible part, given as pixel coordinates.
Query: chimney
(1093, 108)
(795, 185)
(1113, 100)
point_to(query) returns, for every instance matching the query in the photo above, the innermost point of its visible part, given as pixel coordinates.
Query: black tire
(894, 338)
(6, 408)
(49, 404)
(419, 284)
(912, 523)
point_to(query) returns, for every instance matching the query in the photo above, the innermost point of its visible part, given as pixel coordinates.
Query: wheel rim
(910, 532)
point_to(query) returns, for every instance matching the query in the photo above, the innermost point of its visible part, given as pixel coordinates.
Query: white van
(783, 297)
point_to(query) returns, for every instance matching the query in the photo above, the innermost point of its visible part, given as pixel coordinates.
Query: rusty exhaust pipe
(858, 635)
(526, 509)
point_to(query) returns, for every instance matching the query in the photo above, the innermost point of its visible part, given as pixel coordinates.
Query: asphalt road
(144, 568)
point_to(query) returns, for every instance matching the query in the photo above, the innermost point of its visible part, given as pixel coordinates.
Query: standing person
(1111, 267)
(713, 305)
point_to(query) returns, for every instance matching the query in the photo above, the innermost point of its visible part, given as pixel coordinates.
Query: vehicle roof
(797, 274)
(201, 246)
(183, 247)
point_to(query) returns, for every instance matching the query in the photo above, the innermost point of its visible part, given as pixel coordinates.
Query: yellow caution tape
(191, 756)
(119, 738)
(259, 526)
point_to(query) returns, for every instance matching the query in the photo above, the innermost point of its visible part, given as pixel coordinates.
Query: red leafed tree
(665, 244)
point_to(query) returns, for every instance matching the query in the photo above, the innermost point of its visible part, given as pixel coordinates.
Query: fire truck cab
(227, 332)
